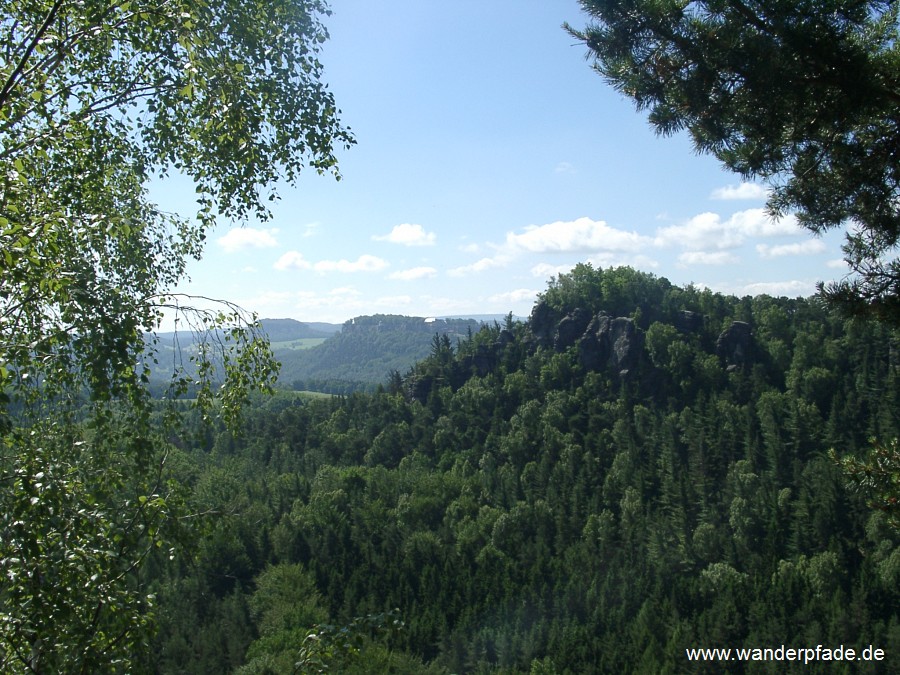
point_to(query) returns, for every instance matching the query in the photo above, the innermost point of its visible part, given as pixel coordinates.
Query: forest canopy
(638, 469)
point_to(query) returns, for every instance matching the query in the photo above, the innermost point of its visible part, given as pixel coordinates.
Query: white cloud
(292, 260)
(393, 301)
(470, 248)
(408, 234)
(740, 192)
(345, 292)
(518, 295)
(607, 245)
(707, 231)
(838, 264)
(702, 232)
(443, 306)
(267, 299)
(758, 223)
(241, 238)
(565, 167)
(311, 229)
(365, 263)
(808, 247)
(603, 260)
(545, 270)
(708, 258)
(478, 266)
(414, 273)
(582, 234)
(793, 288)
(336, 306)
(641, 262)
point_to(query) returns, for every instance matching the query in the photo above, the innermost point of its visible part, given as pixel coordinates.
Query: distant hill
(365, 351)
(355, 356)
(487, 318)
(175, 349)
(282, 330)
(278, 330)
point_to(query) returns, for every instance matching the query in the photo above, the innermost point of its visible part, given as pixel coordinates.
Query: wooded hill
(356, 356)
(638, 469)
(285, 330)
(365, 351)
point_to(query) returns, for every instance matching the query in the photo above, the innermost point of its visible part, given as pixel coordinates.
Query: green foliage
(877, 475)
(803, 95)
(541, 516)
(96, 99)
(285, 607)
(331, 648)
(620, 291)
(78, 518)
(366, 350)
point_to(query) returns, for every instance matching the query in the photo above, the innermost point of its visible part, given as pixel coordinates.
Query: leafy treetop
(98, 97)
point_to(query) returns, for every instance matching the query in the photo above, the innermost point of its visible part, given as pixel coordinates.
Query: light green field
(312, 394)
(301, 343)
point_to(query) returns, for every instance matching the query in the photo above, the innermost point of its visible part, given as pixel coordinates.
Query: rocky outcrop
(613, 344)
(603, 342)
(571, 328)
(486, 357)
(735, 344)
(543, 324)
(592, 351)
(627, 344)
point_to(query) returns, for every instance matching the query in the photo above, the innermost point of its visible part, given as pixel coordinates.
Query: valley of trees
(637, 469)
(530, 500)
(365, 352)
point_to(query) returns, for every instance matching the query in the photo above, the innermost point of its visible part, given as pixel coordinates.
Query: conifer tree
(802, 95)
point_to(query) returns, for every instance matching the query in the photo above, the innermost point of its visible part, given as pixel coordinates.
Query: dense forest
(365, 351)
(638, 469)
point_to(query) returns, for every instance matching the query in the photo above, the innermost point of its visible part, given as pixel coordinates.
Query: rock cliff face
(506, 337)
(571, 328)
(543, 324)
(614, 344)
(627, 343)
(484, 360)
(735, 344)
(603, 342)
(592, 351)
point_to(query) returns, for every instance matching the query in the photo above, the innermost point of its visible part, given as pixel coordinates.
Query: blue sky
(489, 158)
